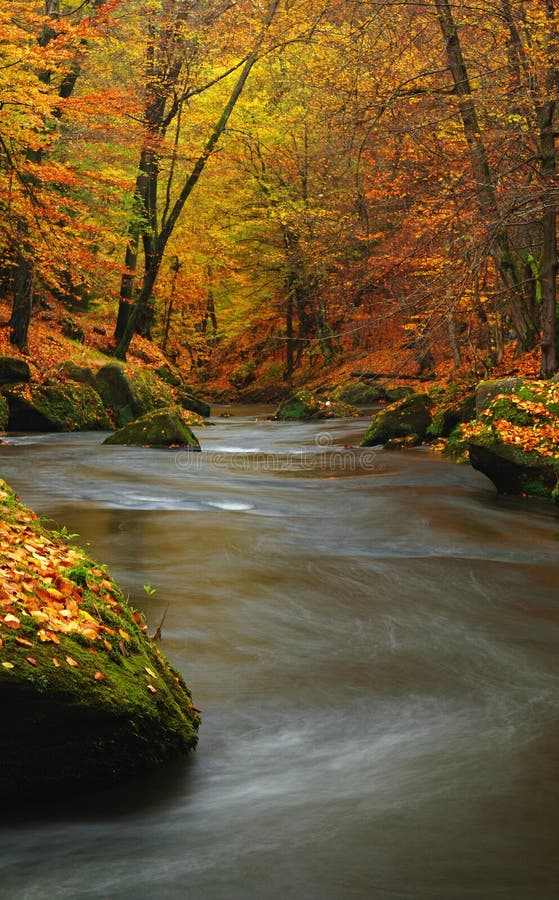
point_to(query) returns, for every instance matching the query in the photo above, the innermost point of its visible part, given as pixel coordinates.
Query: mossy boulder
(486, 391)
(515, 440)
(129, 393)
(361, 393)
(170, 375)
(48, 407)
(409, 418)
(450, 415)
(86, 698)
(160, 428)
(13, 370)
(70, 371)
(118, 393)
(192, 403)
(306, 405)
(4, 413)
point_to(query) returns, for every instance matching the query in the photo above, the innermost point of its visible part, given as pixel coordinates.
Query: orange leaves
(39, 600)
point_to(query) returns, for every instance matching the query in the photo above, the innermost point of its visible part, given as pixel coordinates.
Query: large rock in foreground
(407, 421)
(161, 428)
(86, 698)
(515, 440)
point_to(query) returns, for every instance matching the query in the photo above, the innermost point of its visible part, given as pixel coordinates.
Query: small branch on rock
(157, 633)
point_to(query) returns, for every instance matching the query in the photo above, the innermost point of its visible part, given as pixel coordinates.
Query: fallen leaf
(99, 676)
(32, 660)
(24, 642)
(8, 665)
(71, 661)
(56, 662)
(151, 688)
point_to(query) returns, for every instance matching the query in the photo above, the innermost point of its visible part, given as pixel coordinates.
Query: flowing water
(373, 638)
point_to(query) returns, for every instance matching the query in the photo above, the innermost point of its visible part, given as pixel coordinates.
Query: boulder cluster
(145, 408)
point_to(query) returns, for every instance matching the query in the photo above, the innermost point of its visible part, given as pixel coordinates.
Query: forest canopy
(283, 182)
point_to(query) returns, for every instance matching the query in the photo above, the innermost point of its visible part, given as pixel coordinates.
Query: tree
(157, 239)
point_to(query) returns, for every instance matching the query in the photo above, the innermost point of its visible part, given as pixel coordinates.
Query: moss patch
(409, 418)
(160, 428)
(54, 407)
(306, 405)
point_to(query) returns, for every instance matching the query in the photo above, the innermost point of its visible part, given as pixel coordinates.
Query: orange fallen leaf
(56, 662)
(99, 676)
(32, 660)
(24, 642)
(71, 661)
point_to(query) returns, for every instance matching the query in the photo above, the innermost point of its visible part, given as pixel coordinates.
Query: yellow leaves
(71, 661)
(8, 665)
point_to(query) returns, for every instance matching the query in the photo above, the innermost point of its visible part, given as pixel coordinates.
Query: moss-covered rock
(306, 405)
(4, 413)
(86, 698)
(70, 371)
(48, 407)
(515, 440)
(486, 391)
(192, 403)
(450, 415)
(170, 375)
(13, 370)
(408, 418)
(160, 428)
(128, 393)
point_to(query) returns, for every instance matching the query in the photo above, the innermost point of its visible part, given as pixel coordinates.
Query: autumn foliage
(294, 184)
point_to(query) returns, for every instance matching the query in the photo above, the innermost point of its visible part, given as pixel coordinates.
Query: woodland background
(267, 188)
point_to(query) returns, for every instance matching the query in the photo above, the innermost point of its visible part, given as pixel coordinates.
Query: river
(373, 638)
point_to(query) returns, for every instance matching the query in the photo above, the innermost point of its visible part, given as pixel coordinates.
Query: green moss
(307, 405)
(410, 417)
(87, 707)
(55, 407)
(160, 428)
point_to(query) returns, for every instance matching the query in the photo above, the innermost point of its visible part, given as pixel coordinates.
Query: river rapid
(373, 638)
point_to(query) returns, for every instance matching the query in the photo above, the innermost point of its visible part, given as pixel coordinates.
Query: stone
(46, 407)
(306, 405)
(515, 440)
(86, 697)
(192, 403)
(486, 391)
(408, 418)
(118, 393)
(13, 370)
(159, 428)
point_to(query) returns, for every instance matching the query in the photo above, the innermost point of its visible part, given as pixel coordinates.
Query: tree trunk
(549, 245)
(156, 253)
(486, 197)
(22, 303)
